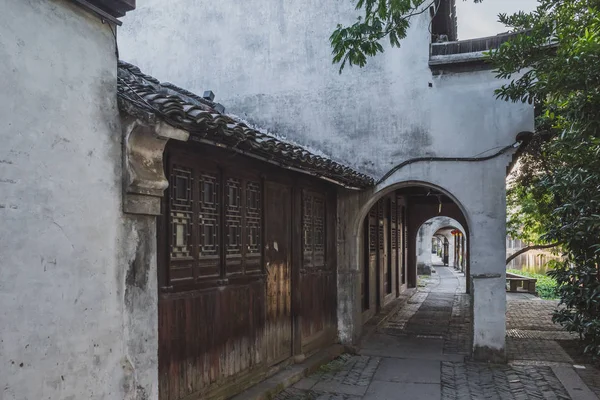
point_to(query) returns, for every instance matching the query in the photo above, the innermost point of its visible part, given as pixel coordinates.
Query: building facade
(270, 63)
(154, 246)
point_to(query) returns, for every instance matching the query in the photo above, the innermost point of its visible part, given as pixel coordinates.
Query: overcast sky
(477, 20)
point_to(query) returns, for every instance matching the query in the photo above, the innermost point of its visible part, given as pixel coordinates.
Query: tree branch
(529, 248)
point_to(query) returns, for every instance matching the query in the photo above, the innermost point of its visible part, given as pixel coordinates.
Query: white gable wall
(67, 324)
(270, 62)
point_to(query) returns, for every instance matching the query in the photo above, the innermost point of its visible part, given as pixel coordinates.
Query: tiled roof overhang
(108, 9)
(140, 93)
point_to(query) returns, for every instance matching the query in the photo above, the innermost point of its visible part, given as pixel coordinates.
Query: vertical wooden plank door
(278, 218)
(382, 254)
(393, 285)
(372, 270)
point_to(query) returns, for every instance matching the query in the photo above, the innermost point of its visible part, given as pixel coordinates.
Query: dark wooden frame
(384, 263)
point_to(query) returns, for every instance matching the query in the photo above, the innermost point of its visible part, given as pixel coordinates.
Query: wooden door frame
(387, 252)
(290, 187)
(401, 204)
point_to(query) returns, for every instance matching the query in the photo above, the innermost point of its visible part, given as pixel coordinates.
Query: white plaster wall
(66, 327)
(270, 62)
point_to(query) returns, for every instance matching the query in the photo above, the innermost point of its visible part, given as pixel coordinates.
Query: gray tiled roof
(185, 110)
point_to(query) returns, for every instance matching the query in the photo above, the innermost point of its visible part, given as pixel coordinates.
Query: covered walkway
(419, 352)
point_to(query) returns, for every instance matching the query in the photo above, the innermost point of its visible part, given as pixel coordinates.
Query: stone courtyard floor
(419, 353)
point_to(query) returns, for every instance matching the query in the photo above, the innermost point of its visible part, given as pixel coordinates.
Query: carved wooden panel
(233, 217)
(234, 212)
(181, 223)
(307, 229)
(243, 216)
(209, 208)
(253, 226)
(319, 231)
(313, 230)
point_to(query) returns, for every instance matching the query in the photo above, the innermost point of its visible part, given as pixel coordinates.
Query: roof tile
(197, 115)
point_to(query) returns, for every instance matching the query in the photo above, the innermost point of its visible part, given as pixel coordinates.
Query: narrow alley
(419, 353)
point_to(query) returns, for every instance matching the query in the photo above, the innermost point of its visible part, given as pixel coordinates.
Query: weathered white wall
(67, 324)
(270, 62)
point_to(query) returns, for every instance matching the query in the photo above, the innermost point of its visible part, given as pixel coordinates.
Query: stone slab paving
(401, 391)
(458, 338)
(297, 394)
(591, 377)
(398, 321)
(533, 315)
(346, 377)
(419, 354)
(541, 335)
(536, 350)
(466, 381)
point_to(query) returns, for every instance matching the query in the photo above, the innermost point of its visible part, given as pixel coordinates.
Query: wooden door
(370, 279)
(394, 259)
(278, 218)
(366, 264)
(402, 242)
(381, 253)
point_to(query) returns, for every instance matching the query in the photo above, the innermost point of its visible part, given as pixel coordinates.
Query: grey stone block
(403, 391)
(409, 371)
(423, 269)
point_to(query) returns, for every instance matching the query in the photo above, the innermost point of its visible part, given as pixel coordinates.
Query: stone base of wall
(487, 354)
(423, 269)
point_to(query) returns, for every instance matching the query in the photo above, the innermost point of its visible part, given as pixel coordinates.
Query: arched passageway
(389, 235)
(442, 240)
(450, 192)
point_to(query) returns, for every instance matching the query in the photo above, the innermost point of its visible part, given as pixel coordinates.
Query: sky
(478, 20)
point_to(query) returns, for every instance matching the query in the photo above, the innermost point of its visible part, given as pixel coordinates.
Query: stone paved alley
(418, 353)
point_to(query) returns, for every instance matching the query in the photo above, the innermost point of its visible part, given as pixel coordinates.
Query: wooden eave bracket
(144, 181)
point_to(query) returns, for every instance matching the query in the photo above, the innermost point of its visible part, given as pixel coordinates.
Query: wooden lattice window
(181, 248)
(313, 230)
(243, 225)
(373, 230)
(380, 223)
(394, 227)
(208, 222)
(253, 225)
(214, 223)
(233, 217)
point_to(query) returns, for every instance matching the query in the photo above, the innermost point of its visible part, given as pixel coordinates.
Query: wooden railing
(472, 45)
